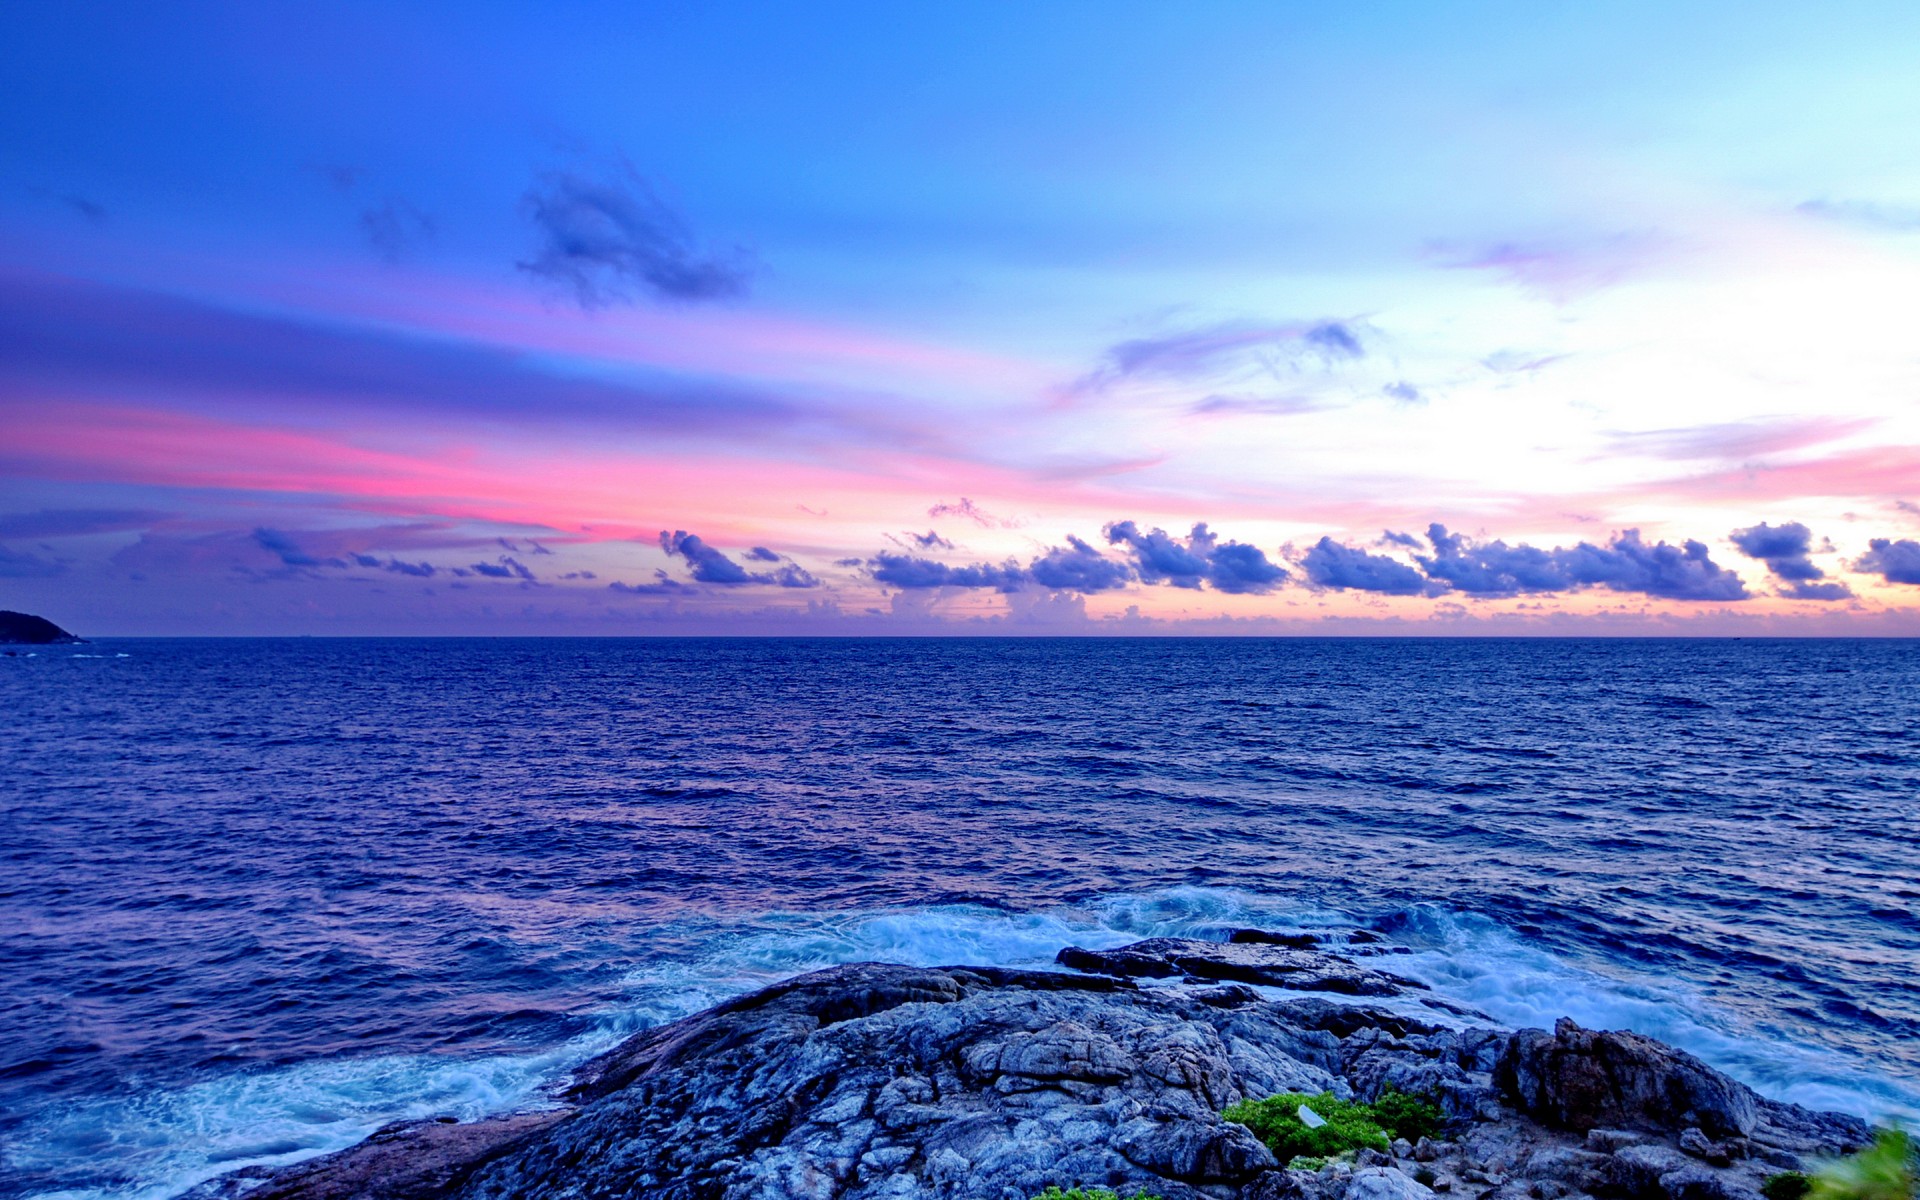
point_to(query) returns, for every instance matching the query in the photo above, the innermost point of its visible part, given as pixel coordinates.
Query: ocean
(260, 897)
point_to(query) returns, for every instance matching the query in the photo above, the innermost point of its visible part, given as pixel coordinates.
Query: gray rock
(1578, 1079)
(1241, 962)
(1383, 1183)
(1581, 1170)
(1696, 1143)
(1609, 1141)
(1637, 1170)
(404, 1160)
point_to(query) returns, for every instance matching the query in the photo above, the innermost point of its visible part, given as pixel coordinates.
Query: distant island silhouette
(25, 629)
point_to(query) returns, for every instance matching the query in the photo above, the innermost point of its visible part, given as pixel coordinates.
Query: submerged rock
(870, 1081)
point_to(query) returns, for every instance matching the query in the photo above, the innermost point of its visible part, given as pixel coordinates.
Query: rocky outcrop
(1578, 1079)
(1243, 961)
(871, 1081)
(25, 629)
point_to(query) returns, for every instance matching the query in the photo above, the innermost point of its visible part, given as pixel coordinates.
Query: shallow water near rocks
(263, 896)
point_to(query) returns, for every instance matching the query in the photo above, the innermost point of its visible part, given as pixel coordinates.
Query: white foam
(167, 1141)
(1475, 962)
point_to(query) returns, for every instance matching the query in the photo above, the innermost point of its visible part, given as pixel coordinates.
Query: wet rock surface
(869, 1081)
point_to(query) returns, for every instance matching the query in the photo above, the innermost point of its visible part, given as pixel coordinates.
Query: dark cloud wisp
(613, 240)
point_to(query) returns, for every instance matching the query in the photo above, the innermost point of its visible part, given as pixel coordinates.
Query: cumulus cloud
(1488, 569)
(1201, 559)
(1893, 561)
(709, 565)
(915, 573)
(1627, 563)
(507, 567)
(1785, 550)
(793, 575)
(1075, 567)
(1078, 567)
(1160, 557)
(706, 564)
(1241, 569)
(610, 240)
(1328, 564)
(1630, 564)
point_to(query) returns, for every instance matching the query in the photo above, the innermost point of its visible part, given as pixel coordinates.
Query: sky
(1212, 318)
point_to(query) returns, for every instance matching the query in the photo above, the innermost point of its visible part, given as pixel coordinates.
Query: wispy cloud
(612, 240)
(76, 522)
(80, 338)
(1737, 439)
(967, 510)
(1209, 352)
(394, 228)
(1889, 218)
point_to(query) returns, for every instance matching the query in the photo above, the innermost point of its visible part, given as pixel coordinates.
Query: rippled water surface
(259, 897)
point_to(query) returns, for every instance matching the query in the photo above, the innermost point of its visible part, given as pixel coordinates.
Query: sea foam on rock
(873, 1081)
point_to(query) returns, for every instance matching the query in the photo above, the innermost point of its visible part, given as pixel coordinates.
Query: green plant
(1276, 1121)
(1787, 1185)
(1053, 1192)
(1883, 1171)
(1405, 1115)
(1305, 1162)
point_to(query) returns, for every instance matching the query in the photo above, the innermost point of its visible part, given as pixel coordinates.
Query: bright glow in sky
(688, 318)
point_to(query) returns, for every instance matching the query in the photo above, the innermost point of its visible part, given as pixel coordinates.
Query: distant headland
(25, 629)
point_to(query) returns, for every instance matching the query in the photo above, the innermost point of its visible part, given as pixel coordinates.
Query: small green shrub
(1305, 1162)
(1883, 1171)
(1053, 1192)
(1276, 1122)
(1404, 1115)
(1787, 1185)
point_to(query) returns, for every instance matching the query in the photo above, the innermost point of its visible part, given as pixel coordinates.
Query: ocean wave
(153, 1145)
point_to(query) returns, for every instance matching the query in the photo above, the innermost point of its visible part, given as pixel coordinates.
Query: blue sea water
(259, 897)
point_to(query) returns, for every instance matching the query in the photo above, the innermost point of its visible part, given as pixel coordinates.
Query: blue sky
(436, 285)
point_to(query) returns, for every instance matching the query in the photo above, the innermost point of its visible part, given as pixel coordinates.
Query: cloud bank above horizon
(722, 320)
